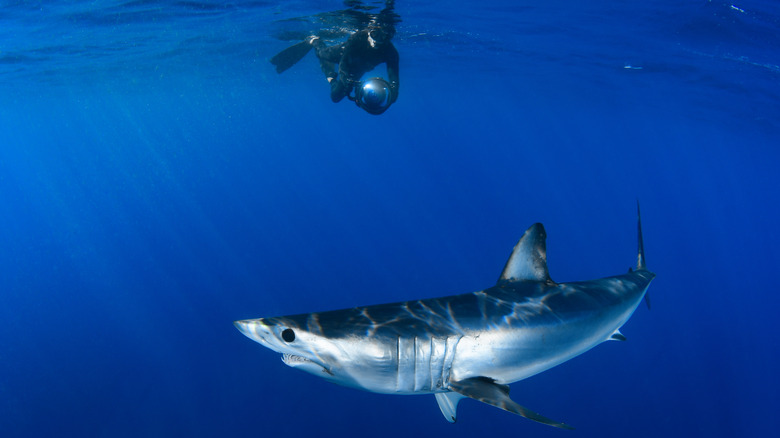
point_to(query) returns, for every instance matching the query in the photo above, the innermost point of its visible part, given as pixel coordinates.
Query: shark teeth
(291, 359)
(307, 364)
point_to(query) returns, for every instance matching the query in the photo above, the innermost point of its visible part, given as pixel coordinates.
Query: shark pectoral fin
(488, 391)
(448, 403)
(617, 336)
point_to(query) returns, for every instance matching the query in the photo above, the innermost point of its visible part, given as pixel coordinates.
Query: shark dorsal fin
(529, 257)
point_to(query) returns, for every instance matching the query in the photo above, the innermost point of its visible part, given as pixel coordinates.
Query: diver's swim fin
(291, 55)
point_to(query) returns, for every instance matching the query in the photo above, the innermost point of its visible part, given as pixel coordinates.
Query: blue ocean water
(159, 180)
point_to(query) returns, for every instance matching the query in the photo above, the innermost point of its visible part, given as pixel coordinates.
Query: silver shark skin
(469, 345)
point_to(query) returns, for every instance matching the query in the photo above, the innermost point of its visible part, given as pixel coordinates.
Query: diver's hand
(393, 91)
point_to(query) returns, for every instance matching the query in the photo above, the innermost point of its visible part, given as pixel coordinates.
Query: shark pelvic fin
(529, 258)
(448, 403)
(486, 390)
(617, 336)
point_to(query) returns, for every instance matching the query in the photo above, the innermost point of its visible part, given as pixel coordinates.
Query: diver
(361, 53)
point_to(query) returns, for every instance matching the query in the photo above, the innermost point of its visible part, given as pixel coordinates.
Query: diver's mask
(373, 95)
(379, 35)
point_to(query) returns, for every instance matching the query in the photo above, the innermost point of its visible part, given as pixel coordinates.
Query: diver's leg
(328, 57)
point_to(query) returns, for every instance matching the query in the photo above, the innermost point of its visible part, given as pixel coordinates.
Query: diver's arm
(350, 69)
(392, 71)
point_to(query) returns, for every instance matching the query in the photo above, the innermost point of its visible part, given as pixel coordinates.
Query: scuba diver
(361, 53)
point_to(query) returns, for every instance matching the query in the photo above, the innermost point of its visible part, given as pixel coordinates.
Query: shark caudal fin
(640, 258)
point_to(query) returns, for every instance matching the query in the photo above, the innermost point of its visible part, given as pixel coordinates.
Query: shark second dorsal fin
(488, 391)
(529, 257)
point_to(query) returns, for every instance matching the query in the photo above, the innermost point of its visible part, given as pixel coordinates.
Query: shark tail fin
(640, 258)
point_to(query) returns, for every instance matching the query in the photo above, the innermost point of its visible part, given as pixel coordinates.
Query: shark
(471, 345)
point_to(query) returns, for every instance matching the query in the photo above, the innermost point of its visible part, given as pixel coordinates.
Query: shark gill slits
(288, 335)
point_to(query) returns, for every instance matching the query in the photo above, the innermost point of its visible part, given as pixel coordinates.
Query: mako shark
(470, 345)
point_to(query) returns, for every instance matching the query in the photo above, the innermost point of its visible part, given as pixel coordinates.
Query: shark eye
(288, 335)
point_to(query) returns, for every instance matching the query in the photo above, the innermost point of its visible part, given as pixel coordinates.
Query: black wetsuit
(355, 57)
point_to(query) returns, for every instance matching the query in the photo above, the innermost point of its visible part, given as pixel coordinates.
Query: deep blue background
(159, 180)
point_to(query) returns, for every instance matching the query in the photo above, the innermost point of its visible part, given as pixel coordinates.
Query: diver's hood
(373, 95)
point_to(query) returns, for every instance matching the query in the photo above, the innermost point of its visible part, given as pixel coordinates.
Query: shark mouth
(309, 365)
(293, 360)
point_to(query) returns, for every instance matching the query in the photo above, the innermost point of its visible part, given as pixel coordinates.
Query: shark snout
(256, 330)
(244, 327)
(265, 333)
(279, 339)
